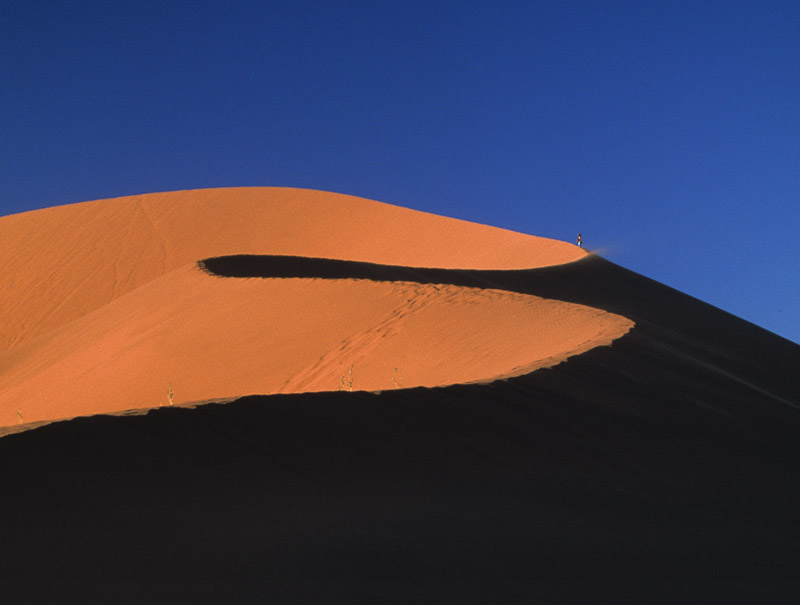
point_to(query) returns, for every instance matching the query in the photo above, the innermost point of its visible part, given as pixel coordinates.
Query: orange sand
(57, 264)
(104, 308)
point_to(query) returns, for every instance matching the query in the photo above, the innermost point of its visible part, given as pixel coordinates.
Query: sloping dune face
(61, 263)
(105, 307)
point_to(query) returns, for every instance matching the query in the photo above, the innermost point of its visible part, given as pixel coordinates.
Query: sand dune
(662, 468)
(98, 318)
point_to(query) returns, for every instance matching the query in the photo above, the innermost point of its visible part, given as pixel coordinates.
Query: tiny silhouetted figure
(580, 241)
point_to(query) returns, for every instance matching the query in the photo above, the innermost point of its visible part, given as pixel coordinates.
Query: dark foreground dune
(663, 468)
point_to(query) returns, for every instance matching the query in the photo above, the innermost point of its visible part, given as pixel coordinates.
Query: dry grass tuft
(346, 383)
(397, 379)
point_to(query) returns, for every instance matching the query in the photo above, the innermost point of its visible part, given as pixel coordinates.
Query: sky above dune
(667, 133)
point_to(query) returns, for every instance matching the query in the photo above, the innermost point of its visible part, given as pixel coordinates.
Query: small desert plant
(346, 383)
(19, 415)
(397, 379)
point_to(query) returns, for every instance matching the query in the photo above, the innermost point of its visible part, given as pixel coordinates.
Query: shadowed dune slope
(664, 468)
(58, 264)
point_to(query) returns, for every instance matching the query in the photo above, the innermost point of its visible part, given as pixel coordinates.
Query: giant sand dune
(409, 409)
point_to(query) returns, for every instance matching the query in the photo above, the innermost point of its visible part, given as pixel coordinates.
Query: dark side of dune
(663, 468)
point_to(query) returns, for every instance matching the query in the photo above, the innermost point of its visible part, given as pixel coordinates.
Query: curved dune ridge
(106, 309)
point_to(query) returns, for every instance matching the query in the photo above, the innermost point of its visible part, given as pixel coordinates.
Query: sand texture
(58, 264)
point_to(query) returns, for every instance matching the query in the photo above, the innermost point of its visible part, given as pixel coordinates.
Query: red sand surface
(105, 309)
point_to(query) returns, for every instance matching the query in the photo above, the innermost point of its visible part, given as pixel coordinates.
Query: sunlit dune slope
(58, 264)
(208, 337)
(108, 306)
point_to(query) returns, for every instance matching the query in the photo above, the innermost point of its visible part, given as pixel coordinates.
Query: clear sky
(668, 133)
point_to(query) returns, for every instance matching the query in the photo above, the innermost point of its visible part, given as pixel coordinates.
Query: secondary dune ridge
(119, 328)
(189, 336)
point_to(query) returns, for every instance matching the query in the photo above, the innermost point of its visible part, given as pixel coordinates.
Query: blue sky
(668, 133)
